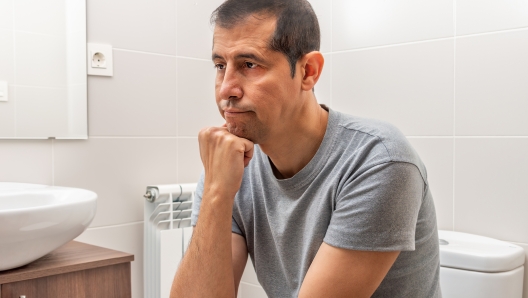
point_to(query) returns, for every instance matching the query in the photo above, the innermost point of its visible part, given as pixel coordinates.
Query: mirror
(43, 69)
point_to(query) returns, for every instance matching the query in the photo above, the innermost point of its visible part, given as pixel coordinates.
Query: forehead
(254, 32)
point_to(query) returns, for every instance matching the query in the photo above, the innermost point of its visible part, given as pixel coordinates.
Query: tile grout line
(454, 106)
(493, 32)
(159, 54)
(392, 45)
(114, 226)
(428, 40)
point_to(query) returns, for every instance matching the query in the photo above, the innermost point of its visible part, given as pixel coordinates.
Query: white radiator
(167, 231)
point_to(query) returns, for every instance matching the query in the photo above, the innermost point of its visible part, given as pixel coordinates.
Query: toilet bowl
(473, 266)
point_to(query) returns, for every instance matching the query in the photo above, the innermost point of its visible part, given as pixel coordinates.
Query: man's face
(254, 90)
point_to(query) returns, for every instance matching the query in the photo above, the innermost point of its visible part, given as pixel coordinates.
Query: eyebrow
(240, 56)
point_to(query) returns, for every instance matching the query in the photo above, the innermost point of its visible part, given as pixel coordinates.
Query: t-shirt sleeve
(196, 206)
(378, 209)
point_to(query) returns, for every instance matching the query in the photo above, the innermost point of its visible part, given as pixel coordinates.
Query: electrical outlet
(100, 62)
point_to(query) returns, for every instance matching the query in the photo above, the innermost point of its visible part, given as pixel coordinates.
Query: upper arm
(338, 272)
(239, 255)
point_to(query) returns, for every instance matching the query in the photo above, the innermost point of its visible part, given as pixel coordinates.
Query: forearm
(206, 269)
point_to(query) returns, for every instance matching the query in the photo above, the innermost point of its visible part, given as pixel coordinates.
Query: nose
(229, 85)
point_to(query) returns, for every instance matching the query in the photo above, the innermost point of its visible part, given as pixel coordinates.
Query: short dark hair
(297, 32)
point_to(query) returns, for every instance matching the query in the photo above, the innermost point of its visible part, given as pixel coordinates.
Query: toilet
(473, 266)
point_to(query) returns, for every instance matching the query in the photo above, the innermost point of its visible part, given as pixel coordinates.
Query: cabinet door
(107, 281)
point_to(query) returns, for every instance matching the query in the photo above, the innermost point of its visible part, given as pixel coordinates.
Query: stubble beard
(249, 131)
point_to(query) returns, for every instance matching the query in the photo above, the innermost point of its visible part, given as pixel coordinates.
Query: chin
(241, 131)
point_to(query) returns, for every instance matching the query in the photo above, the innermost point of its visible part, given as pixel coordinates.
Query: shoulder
(372, 137)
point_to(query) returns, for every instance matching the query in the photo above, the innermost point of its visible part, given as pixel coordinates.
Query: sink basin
(36, 219)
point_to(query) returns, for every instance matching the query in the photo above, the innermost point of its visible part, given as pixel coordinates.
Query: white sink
(36, 219)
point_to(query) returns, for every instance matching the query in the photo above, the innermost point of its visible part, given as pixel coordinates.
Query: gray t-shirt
(365, 189)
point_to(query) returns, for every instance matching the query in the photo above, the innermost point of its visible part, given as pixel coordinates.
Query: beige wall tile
(437, 155)
(133, 25)
(27, 161)
(189, 163)
(118, 170)
(196, 97)
(360, 24)
(490, 188)
(410, 86)
(323, 10)
(491, 15)
(139, 100)
(491, 84)
(195, 34)
(323, 88)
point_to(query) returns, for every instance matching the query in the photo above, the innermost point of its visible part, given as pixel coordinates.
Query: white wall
(451, 74)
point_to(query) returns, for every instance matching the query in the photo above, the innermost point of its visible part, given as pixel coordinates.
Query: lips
(232, 113)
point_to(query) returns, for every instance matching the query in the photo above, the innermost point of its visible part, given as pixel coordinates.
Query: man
(326, 204)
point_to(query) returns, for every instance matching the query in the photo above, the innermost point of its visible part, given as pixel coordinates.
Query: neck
(292, 149)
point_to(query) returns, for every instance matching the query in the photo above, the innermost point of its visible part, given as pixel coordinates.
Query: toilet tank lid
(478, 253)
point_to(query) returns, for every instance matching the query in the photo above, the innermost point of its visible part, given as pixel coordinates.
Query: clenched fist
(224, 157)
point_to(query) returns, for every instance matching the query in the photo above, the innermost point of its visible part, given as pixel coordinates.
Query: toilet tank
(473, 266)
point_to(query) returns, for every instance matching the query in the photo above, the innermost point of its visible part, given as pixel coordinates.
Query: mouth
(234, 113)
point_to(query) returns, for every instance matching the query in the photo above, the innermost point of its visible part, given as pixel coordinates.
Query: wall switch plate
(3, 91)
(100, 60)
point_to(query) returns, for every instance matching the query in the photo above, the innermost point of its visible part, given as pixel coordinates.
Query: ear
(311, 68)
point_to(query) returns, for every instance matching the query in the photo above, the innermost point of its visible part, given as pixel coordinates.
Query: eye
(250, 64)
(219, 66)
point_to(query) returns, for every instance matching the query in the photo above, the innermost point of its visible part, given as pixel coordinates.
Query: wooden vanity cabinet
(75, 270)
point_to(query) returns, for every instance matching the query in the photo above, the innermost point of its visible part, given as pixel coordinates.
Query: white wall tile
(41, 112)
(7, 115)
(359, 24)
(410, 86)
(189, 162)
(27, 161)
(126, 238)
(474, 16)
(6, 14)
(195, 34)
(323, 10)
(196, 98)
(251, 291)
(118, 170)
(492, 84)
(525, 284)
(323, 88)
(141, 25)
(42, 17)
(437, 156)
(490, 187)
(40, 60)
(139, 100)
(7, 58)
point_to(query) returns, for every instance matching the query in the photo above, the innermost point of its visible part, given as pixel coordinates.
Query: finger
(248, 151)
